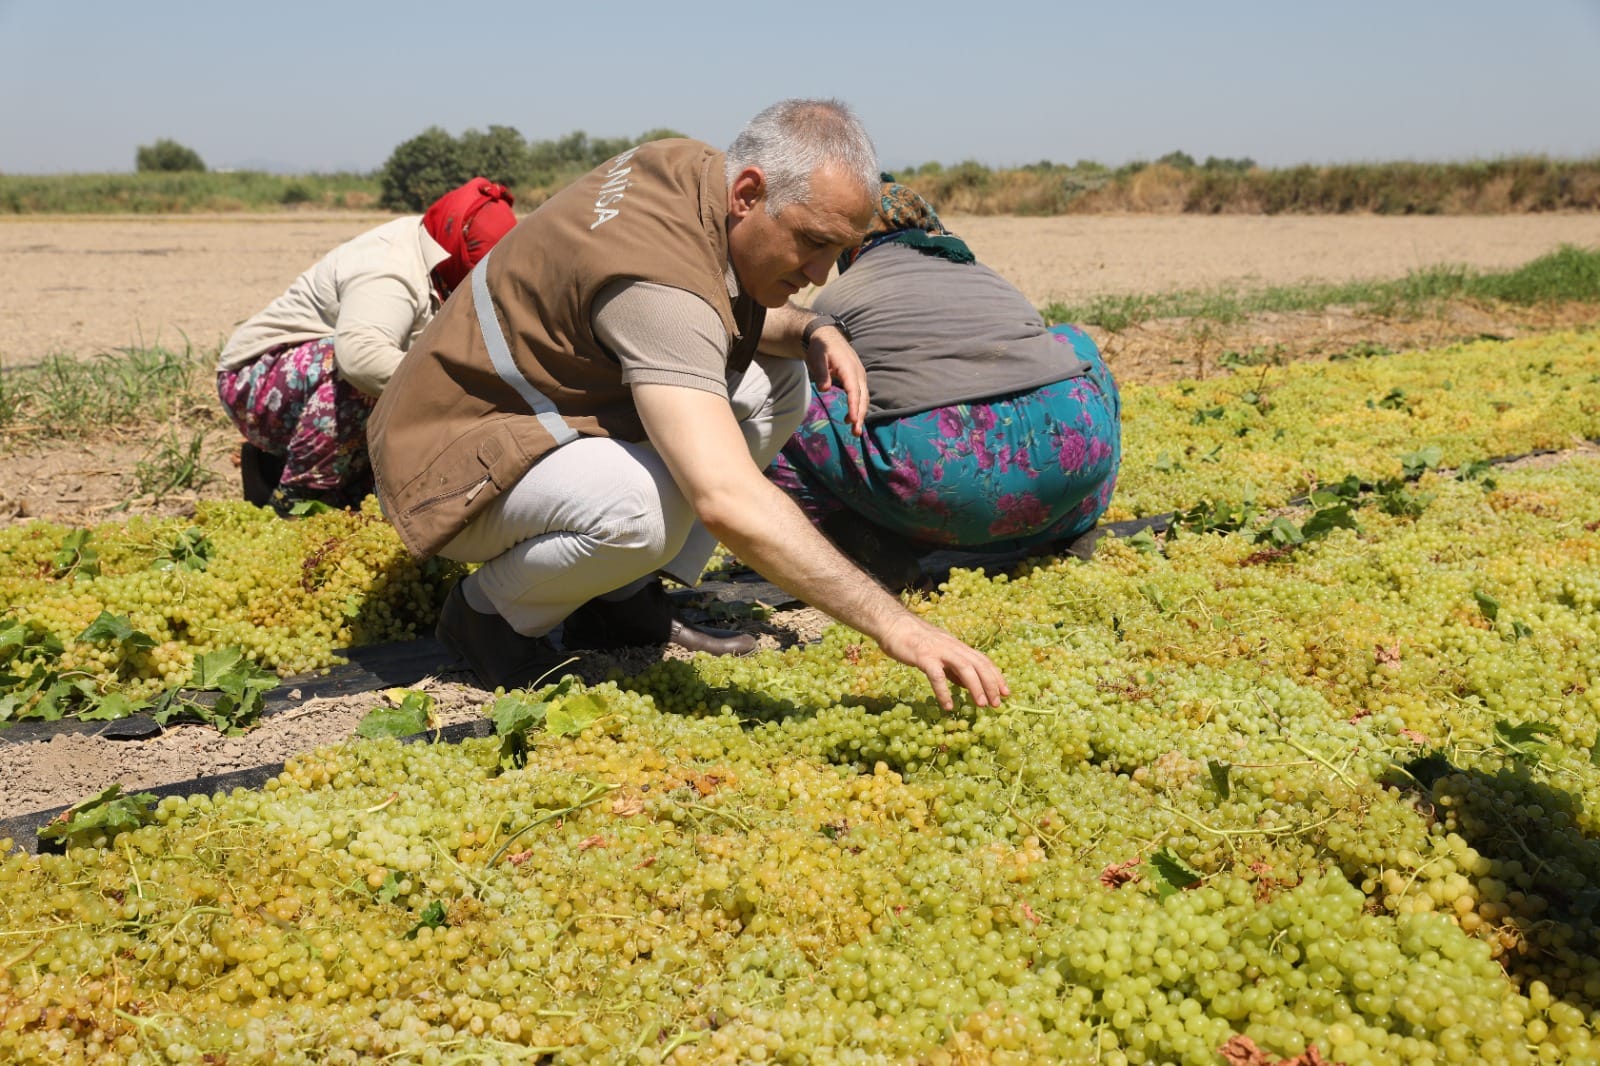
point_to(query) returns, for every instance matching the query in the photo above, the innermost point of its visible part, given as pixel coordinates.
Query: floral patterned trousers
(291, 403)
(1033, 467)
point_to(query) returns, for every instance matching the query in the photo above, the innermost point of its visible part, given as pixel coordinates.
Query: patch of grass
(1567, 274)
(63, 396)
(174, 465)
(154, 192)
(10, 402)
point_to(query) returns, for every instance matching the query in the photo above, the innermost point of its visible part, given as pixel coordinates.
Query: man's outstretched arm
(696, 434)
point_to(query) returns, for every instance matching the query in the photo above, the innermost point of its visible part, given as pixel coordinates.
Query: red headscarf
(467, 222)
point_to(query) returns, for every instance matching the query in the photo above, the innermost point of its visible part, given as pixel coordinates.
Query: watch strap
(822, 321)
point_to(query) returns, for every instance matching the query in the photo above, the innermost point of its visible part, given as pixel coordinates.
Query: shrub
(167, 155)
(500, 154)
(421, 170)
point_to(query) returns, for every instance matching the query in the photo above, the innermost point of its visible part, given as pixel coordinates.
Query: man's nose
(816, 268)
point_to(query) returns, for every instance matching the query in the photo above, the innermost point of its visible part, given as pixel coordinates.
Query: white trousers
(600, 516)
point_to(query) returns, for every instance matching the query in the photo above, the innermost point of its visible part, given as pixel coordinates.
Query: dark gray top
(932, 333)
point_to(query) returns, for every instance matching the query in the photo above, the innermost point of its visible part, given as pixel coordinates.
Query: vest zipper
(471, 491)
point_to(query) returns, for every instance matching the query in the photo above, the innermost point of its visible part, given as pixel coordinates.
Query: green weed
(174, 465)
(1568, 274)
(63, 396)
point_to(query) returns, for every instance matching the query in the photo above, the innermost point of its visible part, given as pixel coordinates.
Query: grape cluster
(290, 594)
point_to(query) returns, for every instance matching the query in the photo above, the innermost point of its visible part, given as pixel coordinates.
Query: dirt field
(83, 285)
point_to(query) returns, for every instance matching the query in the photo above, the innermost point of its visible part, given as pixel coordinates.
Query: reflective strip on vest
(505, 366)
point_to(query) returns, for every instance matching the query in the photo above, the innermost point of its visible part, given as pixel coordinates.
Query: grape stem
(1308, 753)
(735, 819)
(595, 793)
(133, 871)
(1415, 874)
(476, 883)
(24, 957)
(1226, 834)
(522, 1051)
(682, 1037)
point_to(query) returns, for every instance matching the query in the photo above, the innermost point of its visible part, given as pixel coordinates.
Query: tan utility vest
(510, 367)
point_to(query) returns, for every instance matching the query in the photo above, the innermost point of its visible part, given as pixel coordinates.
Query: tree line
(172, 177)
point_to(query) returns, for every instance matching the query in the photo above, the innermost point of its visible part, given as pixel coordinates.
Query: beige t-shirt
(663, 336)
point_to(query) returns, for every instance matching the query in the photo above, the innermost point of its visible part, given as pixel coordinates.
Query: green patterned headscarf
(903, 217)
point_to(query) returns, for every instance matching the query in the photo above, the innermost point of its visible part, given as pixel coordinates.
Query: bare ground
(84, 286)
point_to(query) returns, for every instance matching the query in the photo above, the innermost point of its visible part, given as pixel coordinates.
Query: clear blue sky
(337, 84)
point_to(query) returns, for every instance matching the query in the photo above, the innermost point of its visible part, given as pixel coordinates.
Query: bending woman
(986, 430)
(300, 378)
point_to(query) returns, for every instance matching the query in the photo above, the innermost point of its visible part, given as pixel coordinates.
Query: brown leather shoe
(711, 641)
(497, 654)
(647, 617)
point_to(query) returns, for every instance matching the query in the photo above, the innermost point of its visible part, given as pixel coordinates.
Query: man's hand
(943, 658)
(831, 358)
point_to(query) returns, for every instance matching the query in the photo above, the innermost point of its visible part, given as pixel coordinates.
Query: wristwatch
(822, 322)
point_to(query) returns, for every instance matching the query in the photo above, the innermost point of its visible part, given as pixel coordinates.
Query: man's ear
(749, 188)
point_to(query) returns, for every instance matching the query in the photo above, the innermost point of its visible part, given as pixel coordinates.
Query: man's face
(777, 256)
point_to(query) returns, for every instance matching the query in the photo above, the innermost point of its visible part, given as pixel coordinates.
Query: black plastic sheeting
(23, 829)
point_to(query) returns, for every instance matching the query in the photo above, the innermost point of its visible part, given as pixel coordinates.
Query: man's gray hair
(792, 138)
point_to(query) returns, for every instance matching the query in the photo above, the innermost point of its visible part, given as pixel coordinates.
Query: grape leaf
(13, 638)
(411, 715)
(1144, 541)
(116, 627)
(189, 551)
(1522, 738)
(1327, 520)
(1172, 874)
(1414, 463)
(433, 916)
(1281, 532)
(518, 713)
(390, 888)
(110, 708)
(1219, 776)
(1487, 604)
(75, 556)
(61, 698)
(240, 685)
(109, 813)
(213, 665)
(303, 508)
(570, 716)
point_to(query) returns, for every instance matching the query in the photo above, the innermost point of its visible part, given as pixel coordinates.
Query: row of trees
(433, 162)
